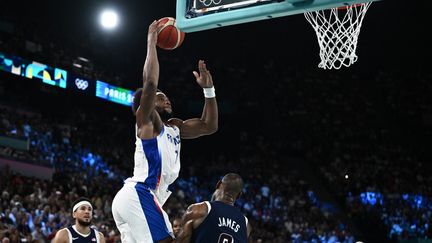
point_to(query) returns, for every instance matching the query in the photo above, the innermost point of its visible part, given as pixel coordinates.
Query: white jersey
(157, 161)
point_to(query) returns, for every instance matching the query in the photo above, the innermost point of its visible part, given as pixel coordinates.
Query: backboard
(197, 15)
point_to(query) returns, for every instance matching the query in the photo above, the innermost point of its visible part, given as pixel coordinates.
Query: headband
(80, 204)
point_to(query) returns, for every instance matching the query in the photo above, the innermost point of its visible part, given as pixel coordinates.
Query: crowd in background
(397, 189)
(278, 204)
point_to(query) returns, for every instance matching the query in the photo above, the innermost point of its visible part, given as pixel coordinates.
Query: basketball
(169, 36)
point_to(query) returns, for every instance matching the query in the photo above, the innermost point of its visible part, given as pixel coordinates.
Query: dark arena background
(326, 155)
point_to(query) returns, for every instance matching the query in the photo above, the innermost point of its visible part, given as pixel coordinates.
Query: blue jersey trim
(154, 159)
(153, 213)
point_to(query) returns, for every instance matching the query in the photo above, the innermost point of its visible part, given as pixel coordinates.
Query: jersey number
(177, 154)
(225, 238)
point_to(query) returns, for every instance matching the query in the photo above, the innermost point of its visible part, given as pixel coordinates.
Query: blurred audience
(366, 134)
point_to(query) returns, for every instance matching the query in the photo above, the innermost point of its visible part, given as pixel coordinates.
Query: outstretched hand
(152, 33)
(203, 78)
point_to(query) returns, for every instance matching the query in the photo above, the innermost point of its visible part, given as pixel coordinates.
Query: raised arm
(150, 82)
(208, 123)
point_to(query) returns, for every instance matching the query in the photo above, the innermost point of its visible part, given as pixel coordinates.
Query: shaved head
(232, 184)
(228, 189)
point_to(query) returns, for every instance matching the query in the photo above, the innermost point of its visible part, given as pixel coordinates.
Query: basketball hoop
(337, 30)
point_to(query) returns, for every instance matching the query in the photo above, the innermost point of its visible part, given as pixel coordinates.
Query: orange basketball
(169, 36)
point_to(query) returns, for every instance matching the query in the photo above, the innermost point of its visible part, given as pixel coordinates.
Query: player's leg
(129, 216)
(118, 206)
(155, 217)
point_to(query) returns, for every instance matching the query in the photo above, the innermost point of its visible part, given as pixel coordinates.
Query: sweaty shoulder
(175, 122)
(61, 236)
(196, 213)
(198, 209)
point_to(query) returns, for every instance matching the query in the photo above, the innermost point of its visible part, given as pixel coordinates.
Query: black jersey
(223, 224)
(76, 237)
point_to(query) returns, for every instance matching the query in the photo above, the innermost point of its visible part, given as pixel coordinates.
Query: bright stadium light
(109, 19)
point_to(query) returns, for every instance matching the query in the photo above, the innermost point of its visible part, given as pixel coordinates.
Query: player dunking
(217, 221)
(137, 207)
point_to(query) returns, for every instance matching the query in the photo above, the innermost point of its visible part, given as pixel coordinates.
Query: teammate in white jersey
(137, 207)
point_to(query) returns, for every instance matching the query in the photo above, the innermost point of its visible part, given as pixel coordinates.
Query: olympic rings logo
(81, 84)
(210, 2)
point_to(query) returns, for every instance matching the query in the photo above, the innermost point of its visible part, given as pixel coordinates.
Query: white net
(338, 30)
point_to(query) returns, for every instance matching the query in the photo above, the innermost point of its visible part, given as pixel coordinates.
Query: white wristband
(209, 92)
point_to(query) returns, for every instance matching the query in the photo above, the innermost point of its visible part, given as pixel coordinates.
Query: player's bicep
(189, 128)
(193, 128)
